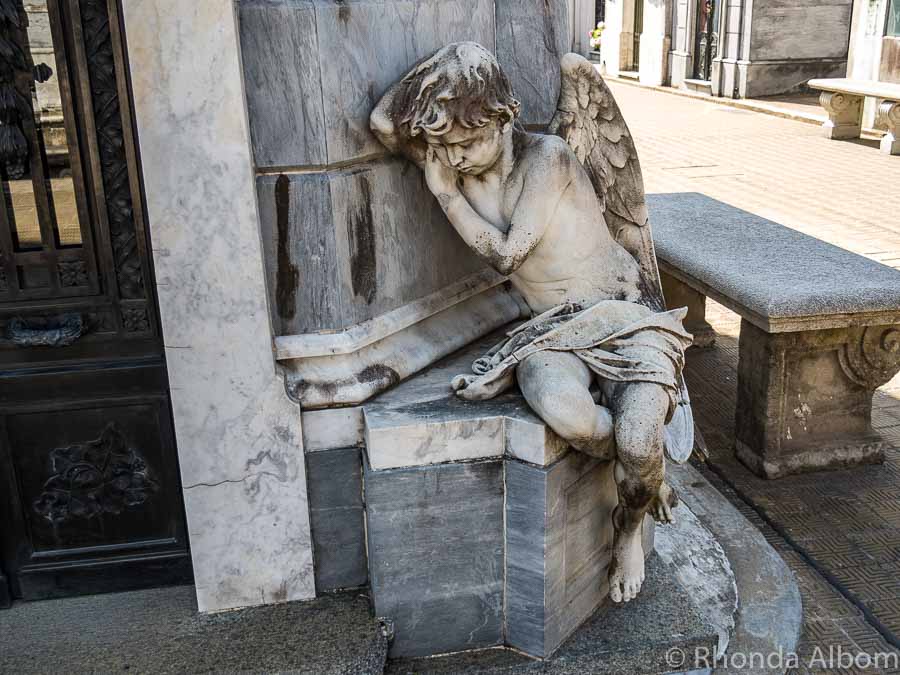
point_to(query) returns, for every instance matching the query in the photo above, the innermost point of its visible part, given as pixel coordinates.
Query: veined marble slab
(422, 421)
(239, 438)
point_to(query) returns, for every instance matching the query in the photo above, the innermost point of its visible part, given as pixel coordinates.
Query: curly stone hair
(462, 83)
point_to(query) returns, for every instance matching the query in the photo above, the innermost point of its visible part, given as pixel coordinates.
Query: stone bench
(819, 330)
(843, 100)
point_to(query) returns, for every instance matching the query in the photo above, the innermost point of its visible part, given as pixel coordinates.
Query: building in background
(731, 48)
(874, 47)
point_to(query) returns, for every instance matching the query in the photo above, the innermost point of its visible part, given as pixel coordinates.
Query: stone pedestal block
(558, 548)
(478, 554)
(805, 398)
(483, 527)
(435, 542)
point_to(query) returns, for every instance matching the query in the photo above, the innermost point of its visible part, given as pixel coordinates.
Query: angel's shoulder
(548, 154)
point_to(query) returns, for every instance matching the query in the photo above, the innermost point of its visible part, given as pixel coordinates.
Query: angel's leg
(557, 387)
(640, 414)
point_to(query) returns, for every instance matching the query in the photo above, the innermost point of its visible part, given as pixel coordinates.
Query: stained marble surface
(239, 436)
(422, 421)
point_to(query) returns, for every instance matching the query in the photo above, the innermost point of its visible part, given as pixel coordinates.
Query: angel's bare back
(576, 260)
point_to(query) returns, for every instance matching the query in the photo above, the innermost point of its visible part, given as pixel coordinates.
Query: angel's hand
(441, 178)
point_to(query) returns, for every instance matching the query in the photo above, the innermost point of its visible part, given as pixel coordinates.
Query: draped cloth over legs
(619, 341)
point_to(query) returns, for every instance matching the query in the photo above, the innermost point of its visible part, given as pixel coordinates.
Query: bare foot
(662, 505)
(626, 571)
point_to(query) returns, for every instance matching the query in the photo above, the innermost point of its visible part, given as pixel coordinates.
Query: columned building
(731, 48)
(874, 47)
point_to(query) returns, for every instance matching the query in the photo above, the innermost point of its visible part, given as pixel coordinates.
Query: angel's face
(470, 151)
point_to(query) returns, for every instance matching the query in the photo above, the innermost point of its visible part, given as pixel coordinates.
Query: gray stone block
(280, 55)
(532, 36)
(337, 519)
(635, 637)
(435, 538)
(366, 45)
(313, 69)
(431, 529)
(526, 550)
(558, 548)
(300, 252)
(344, 246)
(780, 29)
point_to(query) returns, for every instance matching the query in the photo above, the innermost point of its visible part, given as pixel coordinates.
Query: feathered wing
(589, 120)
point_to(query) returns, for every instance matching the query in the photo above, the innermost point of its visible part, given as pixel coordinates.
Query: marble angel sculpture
(564, 216)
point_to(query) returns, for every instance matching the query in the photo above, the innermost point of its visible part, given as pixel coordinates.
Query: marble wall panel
(532, 36)
(435, 538)
(299, 245)
(348, 245)
(781, 29)
(336, 514)
(526, 555)
(281, 74)
(366, 45)
(239, 440)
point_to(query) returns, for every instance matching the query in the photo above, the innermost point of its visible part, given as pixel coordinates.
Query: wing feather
(589, 120)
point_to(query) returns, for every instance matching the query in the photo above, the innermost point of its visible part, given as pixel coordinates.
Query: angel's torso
(576, 260)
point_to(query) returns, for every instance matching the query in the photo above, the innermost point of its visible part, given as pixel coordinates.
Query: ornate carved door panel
(89, 488)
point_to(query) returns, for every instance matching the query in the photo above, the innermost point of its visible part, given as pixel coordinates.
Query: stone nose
(455, 156)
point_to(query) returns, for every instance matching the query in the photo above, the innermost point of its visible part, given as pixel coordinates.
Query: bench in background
(820, 330)
(843, 100)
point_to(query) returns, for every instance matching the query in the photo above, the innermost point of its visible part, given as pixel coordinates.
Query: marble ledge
(351, 378)
(368, 332)
(422, 422)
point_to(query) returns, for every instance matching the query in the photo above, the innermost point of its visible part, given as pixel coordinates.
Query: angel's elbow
(380, 123)
(506, 265)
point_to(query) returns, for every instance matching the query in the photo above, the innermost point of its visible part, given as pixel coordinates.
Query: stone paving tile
(845, 523)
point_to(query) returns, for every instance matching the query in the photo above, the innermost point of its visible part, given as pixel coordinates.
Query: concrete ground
(840, 531)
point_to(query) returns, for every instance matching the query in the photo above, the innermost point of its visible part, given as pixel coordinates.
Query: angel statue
(564, 216)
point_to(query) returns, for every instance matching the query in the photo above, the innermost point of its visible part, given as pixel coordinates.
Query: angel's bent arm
(534, 212)
(381, 123)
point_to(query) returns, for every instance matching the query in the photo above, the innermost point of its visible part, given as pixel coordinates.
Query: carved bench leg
(679, 294)
(889, 115)
(805, 399)
(844, 114)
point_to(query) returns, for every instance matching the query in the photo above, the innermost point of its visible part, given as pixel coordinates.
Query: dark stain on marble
(288, 276)
(363, 264)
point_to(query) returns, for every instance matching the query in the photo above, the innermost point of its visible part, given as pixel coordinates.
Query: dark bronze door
(707, 45)
(638, 29)
(90, 499)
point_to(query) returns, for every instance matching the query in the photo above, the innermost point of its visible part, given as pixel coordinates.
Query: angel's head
(460, 102)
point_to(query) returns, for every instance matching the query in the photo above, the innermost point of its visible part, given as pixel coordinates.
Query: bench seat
(843, 99)
(820, 329)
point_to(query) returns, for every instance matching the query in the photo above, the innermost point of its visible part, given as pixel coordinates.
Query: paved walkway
(839, 532)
